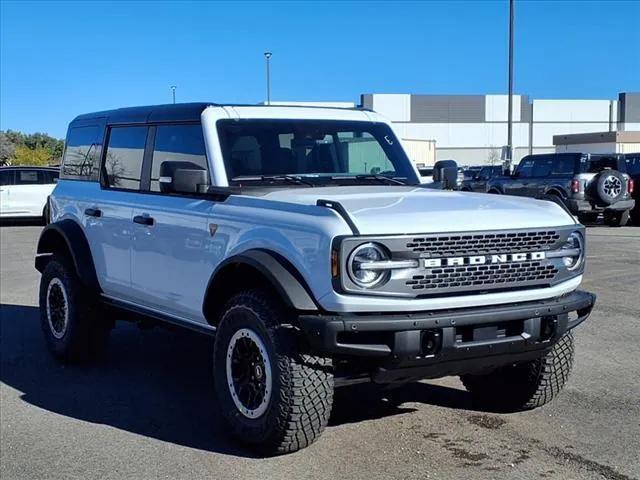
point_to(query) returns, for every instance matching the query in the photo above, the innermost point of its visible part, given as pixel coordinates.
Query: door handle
(144, 220)
(93, 212)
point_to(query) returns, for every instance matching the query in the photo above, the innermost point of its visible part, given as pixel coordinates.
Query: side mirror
(183, 177)
(446, 172)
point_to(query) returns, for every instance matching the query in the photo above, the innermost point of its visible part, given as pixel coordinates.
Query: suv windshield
(312, 152)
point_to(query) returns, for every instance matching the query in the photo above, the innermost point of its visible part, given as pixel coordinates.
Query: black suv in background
(587, 184)
(479, 178)
(632, 161)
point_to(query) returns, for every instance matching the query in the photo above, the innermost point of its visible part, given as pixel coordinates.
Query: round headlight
(574, 247)
(360, 267)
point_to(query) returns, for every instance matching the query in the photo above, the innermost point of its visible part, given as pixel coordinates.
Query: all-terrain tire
(616, 219)
(302, 385)
(72, 322)
(527, 385)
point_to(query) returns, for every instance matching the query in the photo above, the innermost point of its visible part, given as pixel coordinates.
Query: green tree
(7, 149)
(33, 156)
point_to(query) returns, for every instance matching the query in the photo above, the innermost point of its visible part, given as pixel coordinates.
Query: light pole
(173, 92)
(267, 56)
(509, 155)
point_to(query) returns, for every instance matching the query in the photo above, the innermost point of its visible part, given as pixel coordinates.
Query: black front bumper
(439, 343)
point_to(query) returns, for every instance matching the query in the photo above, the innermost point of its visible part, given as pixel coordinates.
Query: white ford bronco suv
(303, 241)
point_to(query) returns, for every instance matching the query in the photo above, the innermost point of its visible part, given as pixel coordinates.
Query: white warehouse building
(472, 129)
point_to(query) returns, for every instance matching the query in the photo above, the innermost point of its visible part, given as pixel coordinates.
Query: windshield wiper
(284, 178)
(381, 178)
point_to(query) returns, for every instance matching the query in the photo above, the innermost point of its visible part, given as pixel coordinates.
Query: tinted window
(177, 143)
(49, 177)
(318, 150)
(6, 177)
(563, 165)
(633, 165)
(542, 167)
(82, 153)
(525, 167)
(28, 177)
(123, 162)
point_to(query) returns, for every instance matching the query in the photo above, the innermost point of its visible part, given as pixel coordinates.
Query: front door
(171, 258)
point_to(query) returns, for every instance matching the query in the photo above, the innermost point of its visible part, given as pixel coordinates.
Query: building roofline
(597, 137)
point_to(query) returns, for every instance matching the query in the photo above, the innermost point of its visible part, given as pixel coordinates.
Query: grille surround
(484, 243)
(427, 281)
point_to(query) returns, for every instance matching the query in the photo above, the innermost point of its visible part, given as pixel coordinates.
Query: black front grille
(480, 276)
(485, 243)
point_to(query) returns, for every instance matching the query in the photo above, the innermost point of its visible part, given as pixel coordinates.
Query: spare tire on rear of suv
(609, 186)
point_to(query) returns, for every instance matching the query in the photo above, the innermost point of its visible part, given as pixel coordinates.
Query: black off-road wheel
(273, 395)
(616, 219)
(524, 386)
(74, 326)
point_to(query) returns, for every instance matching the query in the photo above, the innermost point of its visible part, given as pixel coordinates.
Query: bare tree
(494, 156)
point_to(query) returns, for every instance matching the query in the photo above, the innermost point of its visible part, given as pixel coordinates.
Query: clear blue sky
(59, 59)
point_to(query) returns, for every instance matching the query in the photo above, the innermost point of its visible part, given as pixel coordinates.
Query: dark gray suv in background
(587, 184)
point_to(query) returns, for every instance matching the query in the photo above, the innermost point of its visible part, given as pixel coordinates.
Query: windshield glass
(315, 151)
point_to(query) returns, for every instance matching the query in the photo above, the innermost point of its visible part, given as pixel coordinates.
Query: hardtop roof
(180, 112)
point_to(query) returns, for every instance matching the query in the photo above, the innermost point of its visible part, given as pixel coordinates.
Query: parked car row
(24, 191)
(586, 184)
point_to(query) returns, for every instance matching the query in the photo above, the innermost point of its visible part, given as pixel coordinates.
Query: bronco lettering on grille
(481, 259)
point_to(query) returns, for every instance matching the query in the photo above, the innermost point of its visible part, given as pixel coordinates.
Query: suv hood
(397, 210)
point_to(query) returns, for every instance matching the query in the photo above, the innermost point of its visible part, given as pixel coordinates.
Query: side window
(633, 165)
(6, 177)
(48, 177)
(123, 161)
(542, 167)
(81, 154)
(563, 165)
(484, 173)
(27, 177)
(177, 145)
(525, 167)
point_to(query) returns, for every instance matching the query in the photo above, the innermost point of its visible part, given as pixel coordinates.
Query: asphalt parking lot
(148, 409)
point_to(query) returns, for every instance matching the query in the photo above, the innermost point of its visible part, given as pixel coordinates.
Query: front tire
(616, 219)
(272, 394)
(73, 325)
(524, 386)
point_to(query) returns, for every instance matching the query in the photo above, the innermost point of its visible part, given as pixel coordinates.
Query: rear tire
(527, 385)
(616, 219)
(277, 398)
(73, 324)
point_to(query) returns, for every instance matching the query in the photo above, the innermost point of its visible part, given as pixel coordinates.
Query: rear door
(29, 193)
(109, 215)
(6, 184)
(171, 257)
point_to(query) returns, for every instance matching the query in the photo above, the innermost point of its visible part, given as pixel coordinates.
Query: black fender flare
(556, 190)
(68, 235)
(280, 273)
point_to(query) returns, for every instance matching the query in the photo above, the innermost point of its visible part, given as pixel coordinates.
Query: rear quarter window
(82, 154)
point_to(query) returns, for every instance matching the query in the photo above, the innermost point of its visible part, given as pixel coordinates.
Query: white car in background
(24, 191)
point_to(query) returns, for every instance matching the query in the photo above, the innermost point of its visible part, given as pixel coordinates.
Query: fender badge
(212, 229)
